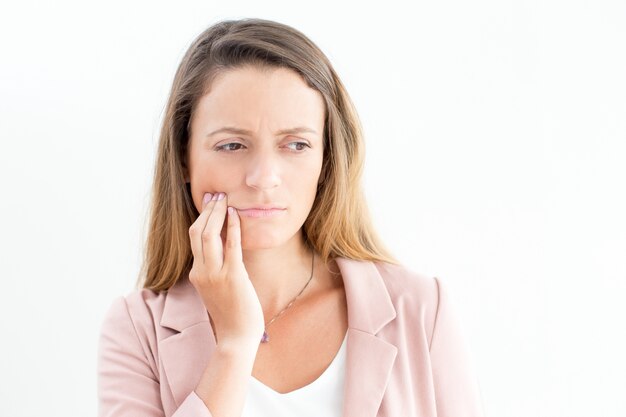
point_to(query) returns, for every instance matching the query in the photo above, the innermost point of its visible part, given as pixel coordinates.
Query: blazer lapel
(185, 354)
(369, 358)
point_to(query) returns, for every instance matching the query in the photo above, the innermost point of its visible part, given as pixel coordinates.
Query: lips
(262, 207)
(257, 212)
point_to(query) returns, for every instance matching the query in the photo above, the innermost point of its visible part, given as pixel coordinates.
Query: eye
(233, 146)
(300, 146)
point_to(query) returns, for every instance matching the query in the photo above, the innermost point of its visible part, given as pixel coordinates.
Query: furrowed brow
(237, 131)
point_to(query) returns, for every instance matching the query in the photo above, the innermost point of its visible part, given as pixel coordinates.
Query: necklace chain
(265, 335)
(296, 297)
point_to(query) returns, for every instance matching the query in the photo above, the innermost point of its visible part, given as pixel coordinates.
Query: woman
(266, 291)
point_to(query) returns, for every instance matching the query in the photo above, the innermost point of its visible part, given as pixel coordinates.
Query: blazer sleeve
(127, 384)
(457, 392)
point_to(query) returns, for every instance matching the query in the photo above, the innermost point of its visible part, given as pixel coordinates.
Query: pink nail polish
(207, 198)
(221, 196)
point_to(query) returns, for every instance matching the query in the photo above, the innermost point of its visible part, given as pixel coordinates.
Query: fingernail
(221, 196)
(230, 210)
(207, 198)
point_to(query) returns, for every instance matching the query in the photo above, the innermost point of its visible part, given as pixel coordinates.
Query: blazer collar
(183, 306)
(369, 305)
(369, 358)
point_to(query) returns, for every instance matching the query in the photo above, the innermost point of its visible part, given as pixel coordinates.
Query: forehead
(254, 98)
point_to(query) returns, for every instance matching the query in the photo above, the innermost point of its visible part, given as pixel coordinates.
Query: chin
(262, 235)
(256, 241)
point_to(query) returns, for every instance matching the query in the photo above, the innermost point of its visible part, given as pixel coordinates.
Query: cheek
(303, 190)
(212, 180)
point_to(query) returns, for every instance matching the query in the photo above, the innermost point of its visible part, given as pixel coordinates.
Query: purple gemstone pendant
(265, 338)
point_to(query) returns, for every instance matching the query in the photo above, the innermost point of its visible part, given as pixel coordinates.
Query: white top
(322, 397)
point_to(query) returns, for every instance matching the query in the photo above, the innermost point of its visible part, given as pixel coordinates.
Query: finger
(195, 231)
(233, 253)
(212, 247)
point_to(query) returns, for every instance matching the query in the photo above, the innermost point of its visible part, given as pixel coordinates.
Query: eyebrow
(235, 130)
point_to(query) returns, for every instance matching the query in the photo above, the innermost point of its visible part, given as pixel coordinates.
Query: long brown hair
(338, 224)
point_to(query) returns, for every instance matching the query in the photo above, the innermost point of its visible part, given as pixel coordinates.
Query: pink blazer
(406, 355)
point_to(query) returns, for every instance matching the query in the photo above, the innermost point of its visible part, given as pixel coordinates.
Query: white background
(496, 160)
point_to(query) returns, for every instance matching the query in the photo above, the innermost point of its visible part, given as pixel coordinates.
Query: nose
(263, 171)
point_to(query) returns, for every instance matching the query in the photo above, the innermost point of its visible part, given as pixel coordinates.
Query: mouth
(261, 212)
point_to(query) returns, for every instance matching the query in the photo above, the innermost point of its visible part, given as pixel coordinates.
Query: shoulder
(136, 314)
(138, 304)
(407, 286)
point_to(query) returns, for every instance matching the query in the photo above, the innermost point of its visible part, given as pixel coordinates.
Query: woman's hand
(220, 277)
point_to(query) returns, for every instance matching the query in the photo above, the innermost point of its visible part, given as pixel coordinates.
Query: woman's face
(258, 137)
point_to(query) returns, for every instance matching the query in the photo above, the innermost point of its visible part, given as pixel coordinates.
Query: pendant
(265, 338)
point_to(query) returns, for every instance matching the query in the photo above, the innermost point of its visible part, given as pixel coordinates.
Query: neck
(278, 274)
